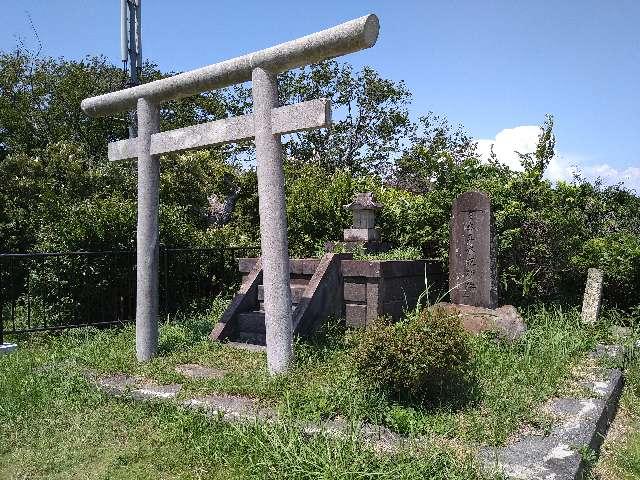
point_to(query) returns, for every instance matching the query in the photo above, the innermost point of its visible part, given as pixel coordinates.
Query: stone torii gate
(266, 124)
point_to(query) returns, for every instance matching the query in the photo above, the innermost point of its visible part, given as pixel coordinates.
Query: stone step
(261, 307)
(197, 371)
(304, 266)
(251, 322)
(247, 346)
(297, 290)
(250, 338)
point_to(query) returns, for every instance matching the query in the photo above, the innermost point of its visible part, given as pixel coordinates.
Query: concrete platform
(579, 427)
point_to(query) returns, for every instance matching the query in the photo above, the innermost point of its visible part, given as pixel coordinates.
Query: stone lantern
(364, 209)
(363, 233)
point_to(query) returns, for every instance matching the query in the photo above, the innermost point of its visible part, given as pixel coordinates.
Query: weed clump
(422, 356)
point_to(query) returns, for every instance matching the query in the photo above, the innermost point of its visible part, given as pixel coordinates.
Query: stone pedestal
(361, 234)
(504, 321)
(388, 288)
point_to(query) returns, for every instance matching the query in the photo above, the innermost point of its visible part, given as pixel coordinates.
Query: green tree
(371, 117)
(538, 161)
(40, 103)
(435, 156)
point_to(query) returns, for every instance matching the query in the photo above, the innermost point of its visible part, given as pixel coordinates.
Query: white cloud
(521, 139)
(630, 176)
(563, 166)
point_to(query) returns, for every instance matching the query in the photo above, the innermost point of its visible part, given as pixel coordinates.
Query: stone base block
(7, 348)
(361, 234)
(505, 321)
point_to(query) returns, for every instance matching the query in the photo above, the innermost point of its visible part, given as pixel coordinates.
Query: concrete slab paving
(580, 424)
(138, 388)
(196, 371)
(118, 384)
(231, 407)
(156, 392)
(580, 427)
(247, 346)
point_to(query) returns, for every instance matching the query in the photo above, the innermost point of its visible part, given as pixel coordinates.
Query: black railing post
(1, 304)
(28, 294)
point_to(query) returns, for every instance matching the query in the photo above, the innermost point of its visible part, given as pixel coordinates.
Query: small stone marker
(592, 296)
(473, 278)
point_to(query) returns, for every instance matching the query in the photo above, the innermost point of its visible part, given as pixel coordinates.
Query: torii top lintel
(342, 39)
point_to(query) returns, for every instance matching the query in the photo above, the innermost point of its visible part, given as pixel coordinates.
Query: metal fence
(61, 290)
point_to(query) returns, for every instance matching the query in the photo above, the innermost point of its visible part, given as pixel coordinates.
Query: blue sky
(494, 66)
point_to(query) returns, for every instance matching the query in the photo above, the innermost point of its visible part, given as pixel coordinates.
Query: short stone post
(592, 296)
(147, 233)
(273, 224)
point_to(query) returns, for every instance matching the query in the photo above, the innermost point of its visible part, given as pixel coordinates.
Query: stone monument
(473, 278)
(266, 124)
(592, 296)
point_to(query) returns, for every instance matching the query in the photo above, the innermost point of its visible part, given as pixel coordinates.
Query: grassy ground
(56, 425)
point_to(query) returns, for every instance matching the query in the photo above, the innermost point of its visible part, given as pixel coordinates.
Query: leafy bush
(548, 235)
(421, 356)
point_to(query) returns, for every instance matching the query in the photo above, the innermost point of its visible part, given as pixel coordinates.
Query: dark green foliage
(422, 356)
(40, 103)
(433, 155)
(538, 161)
(548, 235)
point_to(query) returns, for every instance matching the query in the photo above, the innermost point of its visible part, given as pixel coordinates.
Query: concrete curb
(6, 348)
(581, 423)
(234, 408)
